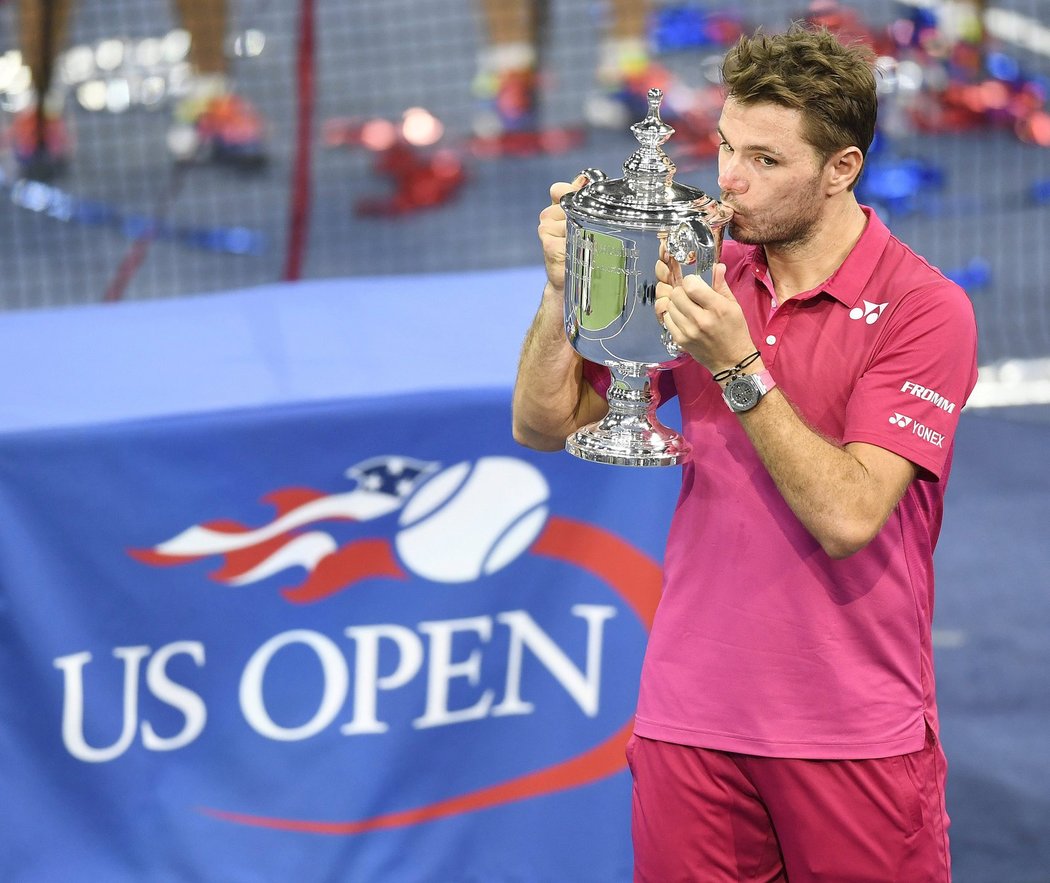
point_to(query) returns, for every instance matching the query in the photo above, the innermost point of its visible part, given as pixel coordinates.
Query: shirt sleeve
(597, 376)
(918, 378)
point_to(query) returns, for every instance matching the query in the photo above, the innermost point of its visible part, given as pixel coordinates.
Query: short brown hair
(831, 83)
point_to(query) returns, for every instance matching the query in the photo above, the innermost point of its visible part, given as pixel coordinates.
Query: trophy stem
(630, 434)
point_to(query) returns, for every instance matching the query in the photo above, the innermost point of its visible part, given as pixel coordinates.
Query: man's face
(768, 175)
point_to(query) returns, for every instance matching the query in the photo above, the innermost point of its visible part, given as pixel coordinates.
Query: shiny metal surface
(616, 233)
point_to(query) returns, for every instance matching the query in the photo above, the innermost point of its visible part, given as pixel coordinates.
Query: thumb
(718, 281)
(561, 188)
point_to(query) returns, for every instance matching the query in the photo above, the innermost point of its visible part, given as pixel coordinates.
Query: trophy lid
(647, 195)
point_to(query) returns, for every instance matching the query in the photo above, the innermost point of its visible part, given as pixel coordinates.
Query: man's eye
(767, 162)
(724, 146)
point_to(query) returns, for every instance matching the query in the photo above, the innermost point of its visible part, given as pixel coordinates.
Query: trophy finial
(649, 166)
(653, 131)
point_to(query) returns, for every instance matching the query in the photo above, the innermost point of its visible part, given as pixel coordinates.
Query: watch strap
(765, 380)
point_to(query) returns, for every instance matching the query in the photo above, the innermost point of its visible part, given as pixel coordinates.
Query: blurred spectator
(507, 82)
(210, 120)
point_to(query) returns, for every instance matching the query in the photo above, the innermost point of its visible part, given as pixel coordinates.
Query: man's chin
(740, 234)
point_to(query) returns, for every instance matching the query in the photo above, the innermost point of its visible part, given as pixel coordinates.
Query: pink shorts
(702, 816)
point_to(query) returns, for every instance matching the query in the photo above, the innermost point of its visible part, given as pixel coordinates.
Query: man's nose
(729, 178)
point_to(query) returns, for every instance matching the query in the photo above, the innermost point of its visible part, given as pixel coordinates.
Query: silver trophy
(617, 231)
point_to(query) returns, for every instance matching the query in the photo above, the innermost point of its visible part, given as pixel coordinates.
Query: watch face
(742, 393)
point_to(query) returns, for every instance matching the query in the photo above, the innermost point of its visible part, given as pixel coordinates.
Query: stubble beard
(787, 231)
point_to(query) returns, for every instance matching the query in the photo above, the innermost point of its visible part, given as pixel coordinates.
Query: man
(787, 725)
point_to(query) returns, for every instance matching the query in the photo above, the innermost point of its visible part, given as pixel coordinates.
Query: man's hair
(830, 83)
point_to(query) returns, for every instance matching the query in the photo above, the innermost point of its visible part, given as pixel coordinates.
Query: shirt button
(771, 339)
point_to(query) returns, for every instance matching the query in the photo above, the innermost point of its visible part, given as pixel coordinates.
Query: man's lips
(734, 209)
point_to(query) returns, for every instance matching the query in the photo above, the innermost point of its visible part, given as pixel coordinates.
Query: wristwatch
(745, 391)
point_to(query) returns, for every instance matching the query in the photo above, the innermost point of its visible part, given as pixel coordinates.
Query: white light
(118, 96)
(109, 55)
(149, 52)
(1011, 371)
(180, 78)
(153, 90)
(182, 141)
(16, 102)
(1012, 382)
(909, 76)
(250, 43)
(20, 82)
(176, 45)
(78, 64)
(92, 95)
(711, 69)
(886, 71)
(10, 64)
(420, 127)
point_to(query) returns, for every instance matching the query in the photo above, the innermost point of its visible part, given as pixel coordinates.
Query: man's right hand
(551, 230)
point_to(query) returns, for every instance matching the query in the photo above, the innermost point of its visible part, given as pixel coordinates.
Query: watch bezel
(743, 392)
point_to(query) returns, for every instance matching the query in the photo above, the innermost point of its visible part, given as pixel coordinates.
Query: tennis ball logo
(472, 519)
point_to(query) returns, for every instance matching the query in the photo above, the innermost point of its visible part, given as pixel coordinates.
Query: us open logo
(452, 526)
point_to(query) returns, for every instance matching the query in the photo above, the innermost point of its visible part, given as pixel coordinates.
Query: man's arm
(551, 398)
(841, 494)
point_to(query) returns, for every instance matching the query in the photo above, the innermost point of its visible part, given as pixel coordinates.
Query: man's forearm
(551, 398)
(842, 495)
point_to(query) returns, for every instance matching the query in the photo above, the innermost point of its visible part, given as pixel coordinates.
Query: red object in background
(847, 24)
(420, 180)
(1035, 129)
(989, 103)
(422, 177)
(527, 142)
(425, 176)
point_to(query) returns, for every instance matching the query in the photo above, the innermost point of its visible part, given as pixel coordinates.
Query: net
(389, 137)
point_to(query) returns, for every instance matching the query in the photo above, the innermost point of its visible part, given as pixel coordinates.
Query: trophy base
(649, 446)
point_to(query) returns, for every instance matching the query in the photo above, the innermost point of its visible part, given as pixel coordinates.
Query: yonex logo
(932, 436)
(870, 313)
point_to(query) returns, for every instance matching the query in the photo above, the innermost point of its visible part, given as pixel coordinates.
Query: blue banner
(357, 640)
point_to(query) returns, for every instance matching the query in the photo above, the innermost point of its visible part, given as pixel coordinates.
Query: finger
(667, 320)
(668, 272)
(718, 280)
(664, 290)
(675, 268)
(559, 189)
(699, 292)
(553, 216)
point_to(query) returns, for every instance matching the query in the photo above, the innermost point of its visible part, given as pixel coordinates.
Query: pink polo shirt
(762, 644)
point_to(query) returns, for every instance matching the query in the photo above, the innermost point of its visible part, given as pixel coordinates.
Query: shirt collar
(848, 282)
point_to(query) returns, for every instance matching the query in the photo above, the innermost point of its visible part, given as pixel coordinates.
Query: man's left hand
(704, 320)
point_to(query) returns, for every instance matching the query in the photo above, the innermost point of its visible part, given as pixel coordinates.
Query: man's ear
(843, 169)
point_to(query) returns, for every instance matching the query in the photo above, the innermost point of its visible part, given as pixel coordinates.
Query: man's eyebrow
(752, 148)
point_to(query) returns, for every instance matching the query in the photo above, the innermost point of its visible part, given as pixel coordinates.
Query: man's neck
(802, 267)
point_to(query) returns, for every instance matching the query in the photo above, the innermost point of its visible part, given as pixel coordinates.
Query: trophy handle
(694, 242)
(593, 176)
